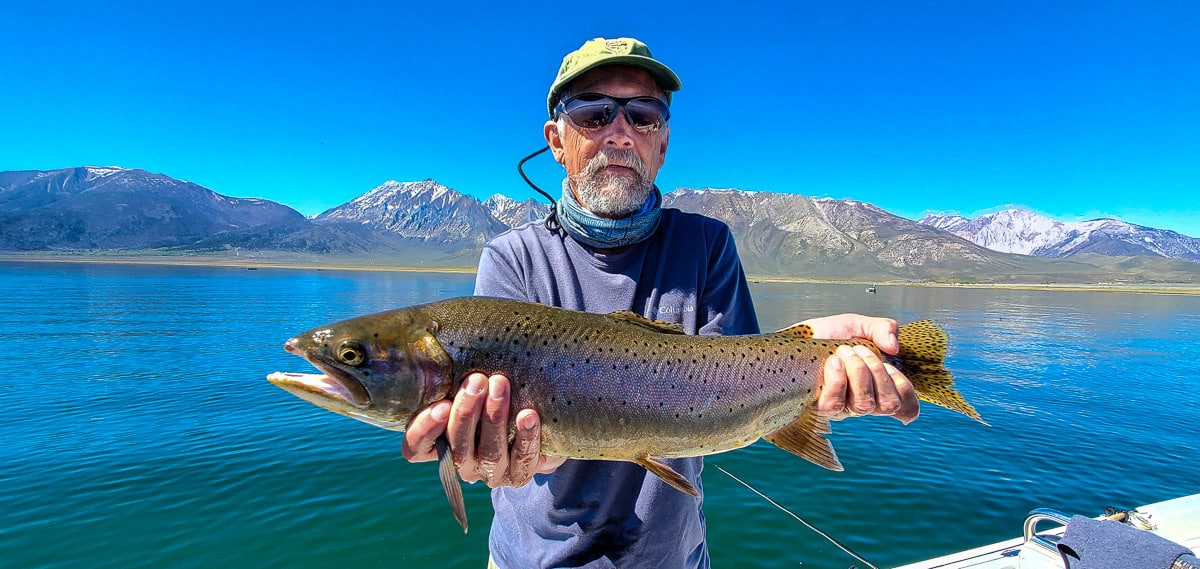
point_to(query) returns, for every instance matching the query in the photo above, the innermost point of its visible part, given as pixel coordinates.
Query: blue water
(138, 429)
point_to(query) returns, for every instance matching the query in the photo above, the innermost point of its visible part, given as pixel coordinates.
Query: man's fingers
(887, 398)
(832, 400)
(491, 454)
(464, 418)
(421, 435)
(526, 448)
(882, 333)
(910, 403)
(860, 379)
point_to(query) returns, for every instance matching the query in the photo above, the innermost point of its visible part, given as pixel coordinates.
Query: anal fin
(805, 438)
(449, 475)
(668, 475)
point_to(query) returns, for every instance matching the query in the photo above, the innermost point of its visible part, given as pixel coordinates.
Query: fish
(613, 386)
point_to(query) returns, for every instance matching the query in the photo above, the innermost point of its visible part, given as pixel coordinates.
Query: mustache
(618, 157)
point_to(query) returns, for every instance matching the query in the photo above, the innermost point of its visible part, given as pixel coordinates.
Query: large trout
(610, 387)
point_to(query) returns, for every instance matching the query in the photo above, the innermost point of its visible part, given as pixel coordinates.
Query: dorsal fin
(805, 438)
(798, 331)
(653, 325)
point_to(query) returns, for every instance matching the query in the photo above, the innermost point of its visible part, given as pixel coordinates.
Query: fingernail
(440, 412)
(497, 389)
(475, 384)
(835, 363)
(527, 422)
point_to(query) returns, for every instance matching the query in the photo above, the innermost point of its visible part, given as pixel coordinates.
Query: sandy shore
(360, 265)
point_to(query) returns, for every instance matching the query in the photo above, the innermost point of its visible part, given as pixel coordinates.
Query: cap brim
(667, 80)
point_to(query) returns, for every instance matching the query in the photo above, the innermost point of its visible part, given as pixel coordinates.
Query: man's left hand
(858, 382)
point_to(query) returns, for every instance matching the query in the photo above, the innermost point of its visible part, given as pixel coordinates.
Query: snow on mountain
(1027, 233)
(513, 213)
(94, 172)
(423, 210)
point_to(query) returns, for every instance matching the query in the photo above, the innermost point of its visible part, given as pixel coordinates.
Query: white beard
(613, 195)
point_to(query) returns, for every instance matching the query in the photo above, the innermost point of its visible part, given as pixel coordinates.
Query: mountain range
(1027, 233)
(109, 209)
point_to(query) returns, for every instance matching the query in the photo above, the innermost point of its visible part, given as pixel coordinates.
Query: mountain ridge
(1021, 231)
(428, 224)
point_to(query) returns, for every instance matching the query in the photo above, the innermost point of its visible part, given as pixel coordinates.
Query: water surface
(139, 430)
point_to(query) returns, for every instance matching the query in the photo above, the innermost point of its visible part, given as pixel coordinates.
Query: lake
(139, 429)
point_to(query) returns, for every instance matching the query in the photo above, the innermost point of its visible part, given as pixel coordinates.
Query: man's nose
(619, 132)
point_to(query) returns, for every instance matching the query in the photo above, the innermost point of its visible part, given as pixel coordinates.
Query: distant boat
(871, 289)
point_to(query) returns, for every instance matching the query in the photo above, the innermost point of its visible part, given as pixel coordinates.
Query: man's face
(603, 164)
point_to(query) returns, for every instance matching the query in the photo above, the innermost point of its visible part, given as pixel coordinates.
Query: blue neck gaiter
(603, 233)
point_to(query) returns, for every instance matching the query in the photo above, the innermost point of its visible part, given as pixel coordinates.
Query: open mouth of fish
(330, 390)
(321, 389)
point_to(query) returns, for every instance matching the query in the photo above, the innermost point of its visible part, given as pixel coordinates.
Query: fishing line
(844, 548)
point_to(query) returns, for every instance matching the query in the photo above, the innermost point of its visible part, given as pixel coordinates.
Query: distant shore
(1186, 289)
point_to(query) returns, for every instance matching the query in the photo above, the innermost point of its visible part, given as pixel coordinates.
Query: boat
(871, 288)
(1176, 520)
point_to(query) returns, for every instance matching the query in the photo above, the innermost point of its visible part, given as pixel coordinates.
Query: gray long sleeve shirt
(592, 513)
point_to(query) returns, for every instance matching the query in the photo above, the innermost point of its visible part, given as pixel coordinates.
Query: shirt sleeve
(499, 275)
(726, 294)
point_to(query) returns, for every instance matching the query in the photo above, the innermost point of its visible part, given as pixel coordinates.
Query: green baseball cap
(619, 51)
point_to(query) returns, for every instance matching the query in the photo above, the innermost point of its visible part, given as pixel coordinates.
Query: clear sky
(1071, 109)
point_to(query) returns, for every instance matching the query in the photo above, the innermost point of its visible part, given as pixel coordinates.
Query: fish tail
(922, 358)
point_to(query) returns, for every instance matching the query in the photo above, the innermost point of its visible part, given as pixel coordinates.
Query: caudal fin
(922, 358)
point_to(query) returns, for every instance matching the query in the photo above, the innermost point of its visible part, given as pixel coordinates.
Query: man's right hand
(480, 412)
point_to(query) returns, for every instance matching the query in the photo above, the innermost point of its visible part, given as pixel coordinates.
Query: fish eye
(351, 353)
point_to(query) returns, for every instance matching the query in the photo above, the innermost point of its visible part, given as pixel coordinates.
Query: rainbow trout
(608, 387)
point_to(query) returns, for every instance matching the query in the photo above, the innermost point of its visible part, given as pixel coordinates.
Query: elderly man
(612, 247)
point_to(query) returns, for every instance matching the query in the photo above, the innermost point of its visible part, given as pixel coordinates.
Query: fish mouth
(321, 389)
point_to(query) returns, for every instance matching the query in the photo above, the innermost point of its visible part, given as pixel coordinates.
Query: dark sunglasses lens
(590, 114)
(646, 113)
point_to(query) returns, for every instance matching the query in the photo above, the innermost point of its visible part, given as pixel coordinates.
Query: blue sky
(1074, 110)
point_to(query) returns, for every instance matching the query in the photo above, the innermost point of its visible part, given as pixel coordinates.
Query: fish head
(381, 368)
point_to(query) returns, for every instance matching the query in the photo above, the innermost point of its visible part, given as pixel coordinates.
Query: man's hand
(476, 424)
(856, 381)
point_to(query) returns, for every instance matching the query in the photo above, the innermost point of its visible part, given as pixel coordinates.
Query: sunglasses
(594, 110)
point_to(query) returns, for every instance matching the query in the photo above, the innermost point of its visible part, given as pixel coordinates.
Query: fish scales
(610, 387)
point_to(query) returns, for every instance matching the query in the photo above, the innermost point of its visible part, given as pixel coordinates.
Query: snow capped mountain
(513, 213)
(1027, 233)
(430, 211)
(121, 208)
(109, 208)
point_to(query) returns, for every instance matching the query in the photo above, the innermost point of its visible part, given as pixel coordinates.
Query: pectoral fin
(668, 475)
(805, 437)
(449, 475)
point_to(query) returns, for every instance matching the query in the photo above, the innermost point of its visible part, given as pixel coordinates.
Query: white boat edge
(1177, 519)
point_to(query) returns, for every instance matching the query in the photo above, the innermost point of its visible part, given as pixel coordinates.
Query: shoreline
(250, 263)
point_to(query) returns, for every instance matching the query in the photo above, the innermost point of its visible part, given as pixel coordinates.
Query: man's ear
(554, 140)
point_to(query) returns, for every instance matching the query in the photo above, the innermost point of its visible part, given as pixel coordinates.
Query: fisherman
(610, 246)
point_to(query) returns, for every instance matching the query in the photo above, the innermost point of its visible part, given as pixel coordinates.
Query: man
(614, 248)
